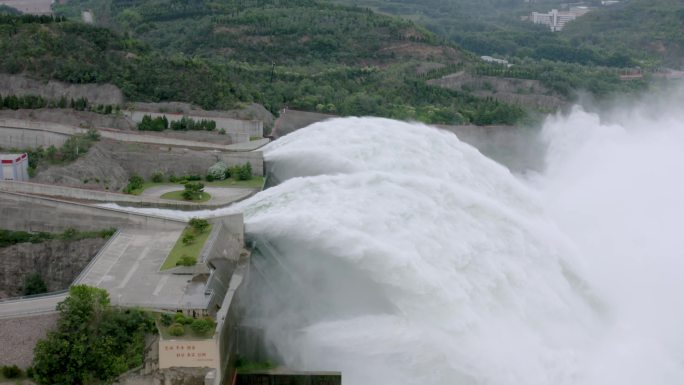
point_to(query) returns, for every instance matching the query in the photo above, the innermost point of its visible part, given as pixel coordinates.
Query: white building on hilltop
(556, 19)
(14, 167)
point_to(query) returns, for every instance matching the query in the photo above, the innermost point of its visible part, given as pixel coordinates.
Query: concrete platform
(128, 268)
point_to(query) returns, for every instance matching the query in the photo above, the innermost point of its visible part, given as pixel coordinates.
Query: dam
(397, 253)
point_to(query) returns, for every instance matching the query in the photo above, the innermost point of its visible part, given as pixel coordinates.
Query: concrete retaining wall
(80, 194)
(22, 138)
(23, 133)
(66, 192)
(238, 130)
(228, 319)
(255, 158)
(43, 128)
(29, 213)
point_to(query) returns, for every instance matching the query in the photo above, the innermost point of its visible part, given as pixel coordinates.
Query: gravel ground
(18, 337)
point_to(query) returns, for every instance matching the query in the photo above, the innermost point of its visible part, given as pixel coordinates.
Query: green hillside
(300, 54)
(494, 27)
(652, 31)
(633, 32)
(295, 32)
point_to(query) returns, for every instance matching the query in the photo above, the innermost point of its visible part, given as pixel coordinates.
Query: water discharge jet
(405, 255)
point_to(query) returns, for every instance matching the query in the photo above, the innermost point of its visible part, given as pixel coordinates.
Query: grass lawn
(180, 249)
(178, 196)
(255, 182)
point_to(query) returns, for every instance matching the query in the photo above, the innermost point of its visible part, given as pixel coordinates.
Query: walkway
(31, 306)
(124, 136)
(220, 196)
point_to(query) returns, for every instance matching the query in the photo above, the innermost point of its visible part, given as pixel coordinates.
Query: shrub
(245, 172)
(135, 182)
(93, 134)
(188, 239)
(222, 131)
(34, 284)
(218, 171)
(173, 179)
(198, 224)
(202, 326)
(149, 123)
(176, 330)
(209, 178)
(157, 177)
(182, 320)
(29, 372)
(107, 233)
(11, 371)
(166, 319)
(69, 234)
(186, 260)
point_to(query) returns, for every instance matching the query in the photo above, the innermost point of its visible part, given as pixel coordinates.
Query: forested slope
(301, 54)
(652, 31)
(647, 33)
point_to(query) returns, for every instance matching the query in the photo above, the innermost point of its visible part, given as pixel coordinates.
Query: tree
(34, 284)
(199, 224)
(92, 343)
(193, 191)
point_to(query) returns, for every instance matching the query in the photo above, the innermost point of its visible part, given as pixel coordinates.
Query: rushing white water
(408, 257)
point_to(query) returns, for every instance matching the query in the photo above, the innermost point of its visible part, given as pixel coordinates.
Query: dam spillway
(398, 253)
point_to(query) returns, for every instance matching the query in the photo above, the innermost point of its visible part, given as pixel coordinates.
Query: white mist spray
(405, 256)
(464, 278)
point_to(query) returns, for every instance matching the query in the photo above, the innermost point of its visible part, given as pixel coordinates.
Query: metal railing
(33, 296)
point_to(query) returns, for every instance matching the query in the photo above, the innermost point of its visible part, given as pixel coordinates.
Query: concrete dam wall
(29, 213)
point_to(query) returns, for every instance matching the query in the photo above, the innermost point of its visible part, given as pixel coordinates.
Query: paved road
(221, 196)
(38, 305)
(131, 137)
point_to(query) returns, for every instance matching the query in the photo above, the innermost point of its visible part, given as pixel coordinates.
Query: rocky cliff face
(59, 262)
(109, 164)
(95, 93)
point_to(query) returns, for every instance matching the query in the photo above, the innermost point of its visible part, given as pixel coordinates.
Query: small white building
(490, 59)
(14, 167)
(556, 19)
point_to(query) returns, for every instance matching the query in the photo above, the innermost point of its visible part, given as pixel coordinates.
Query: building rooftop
(13, 157)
